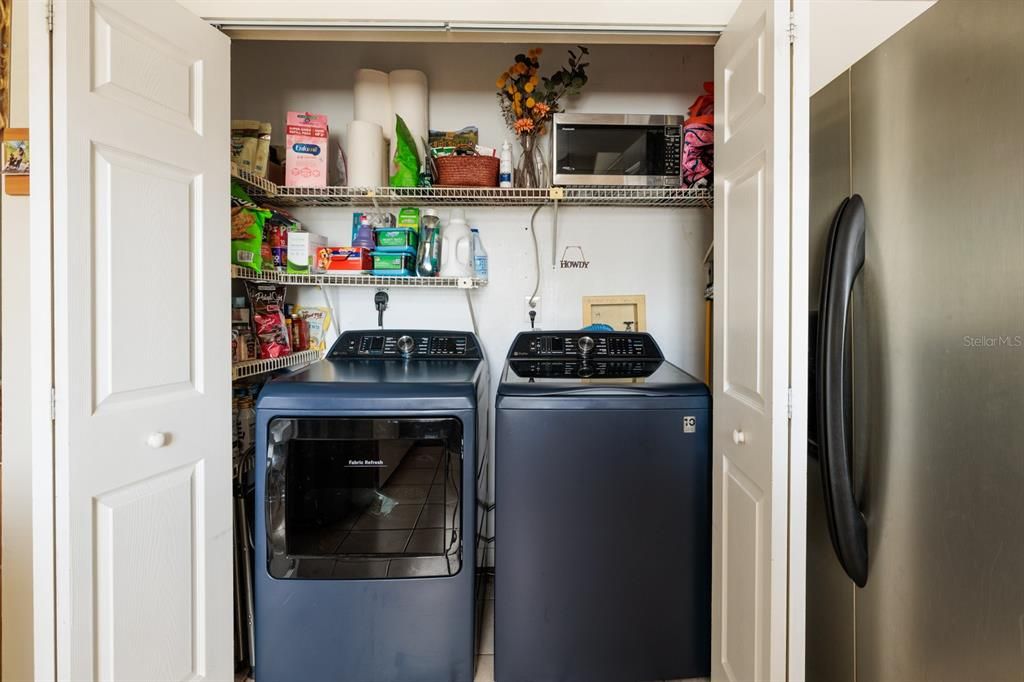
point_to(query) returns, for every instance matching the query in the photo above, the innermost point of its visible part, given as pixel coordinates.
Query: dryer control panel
(409, 343)
(583, 344)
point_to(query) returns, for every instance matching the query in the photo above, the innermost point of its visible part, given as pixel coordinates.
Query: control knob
(406, 345)
(586, 345)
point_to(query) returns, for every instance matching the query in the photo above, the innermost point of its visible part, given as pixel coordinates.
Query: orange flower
(523, 125)
(541, 109)
(530, 102)
(538, 51)
(500, 83)
(511, 89)
(529, 86)
(517, 108)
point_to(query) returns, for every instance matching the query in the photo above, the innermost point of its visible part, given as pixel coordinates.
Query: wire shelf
(638, 197)
(357, 280)
(251, 368)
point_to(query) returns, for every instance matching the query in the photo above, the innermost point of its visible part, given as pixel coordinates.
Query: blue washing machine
(603, 520)
(366, 528)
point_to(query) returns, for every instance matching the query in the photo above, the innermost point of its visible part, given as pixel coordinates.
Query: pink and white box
(306, 157)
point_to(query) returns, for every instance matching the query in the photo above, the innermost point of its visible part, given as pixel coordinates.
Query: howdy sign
(578, 260)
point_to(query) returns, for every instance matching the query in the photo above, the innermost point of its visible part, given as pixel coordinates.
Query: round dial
(406, 345)
(585, 370)
(586, 344)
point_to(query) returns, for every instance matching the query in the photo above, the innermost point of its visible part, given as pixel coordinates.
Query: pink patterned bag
(698, 157)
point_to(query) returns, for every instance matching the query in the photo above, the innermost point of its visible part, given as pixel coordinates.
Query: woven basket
(467, 171)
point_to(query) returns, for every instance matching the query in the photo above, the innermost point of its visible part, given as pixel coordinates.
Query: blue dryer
(366, 521)
(603, 518)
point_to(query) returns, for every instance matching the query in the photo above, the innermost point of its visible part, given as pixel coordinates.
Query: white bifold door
(758, 191)
(141, 348)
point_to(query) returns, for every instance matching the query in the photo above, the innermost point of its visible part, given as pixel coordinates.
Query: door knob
(157, 439)
(739, 437)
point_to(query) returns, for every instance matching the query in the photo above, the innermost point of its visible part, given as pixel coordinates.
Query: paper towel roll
(372, 100)
(409, 95)
(365, 150)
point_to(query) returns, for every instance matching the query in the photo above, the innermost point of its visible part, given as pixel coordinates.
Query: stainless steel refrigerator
(918, 368)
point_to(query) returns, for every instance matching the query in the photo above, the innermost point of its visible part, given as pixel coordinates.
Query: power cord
(536, 262)
(380, 300)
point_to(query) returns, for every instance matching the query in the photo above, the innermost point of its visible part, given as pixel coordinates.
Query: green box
(391, 261)
(409, 218)
(395, 238)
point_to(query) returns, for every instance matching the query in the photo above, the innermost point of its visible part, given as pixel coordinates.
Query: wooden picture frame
(15, 184)
(615, 310)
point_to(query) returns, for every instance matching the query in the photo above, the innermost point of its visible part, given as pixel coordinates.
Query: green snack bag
(407, 158)
(247, 221)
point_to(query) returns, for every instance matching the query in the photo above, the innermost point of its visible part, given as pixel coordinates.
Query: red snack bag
(266, 301)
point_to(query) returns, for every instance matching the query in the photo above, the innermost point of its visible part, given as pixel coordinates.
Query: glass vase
(531, 169)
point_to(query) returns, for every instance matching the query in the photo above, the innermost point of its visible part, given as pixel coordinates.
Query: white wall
(655, 252)
(17, 625)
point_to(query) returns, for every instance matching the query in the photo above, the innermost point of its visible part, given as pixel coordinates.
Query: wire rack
(250, 368)
(357, 280)
(651, 197)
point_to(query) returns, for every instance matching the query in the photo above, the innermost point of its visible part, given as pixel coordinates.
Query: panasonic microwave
(616, 149)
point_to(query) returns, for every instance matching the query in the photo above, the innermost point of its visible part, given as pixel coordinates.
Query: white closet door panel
(752, 324)
(142, 362)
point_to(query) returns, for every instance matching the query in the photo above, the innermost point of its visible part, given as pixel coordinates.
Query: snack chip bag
(266, 301)
(319, 320)
(247, 220)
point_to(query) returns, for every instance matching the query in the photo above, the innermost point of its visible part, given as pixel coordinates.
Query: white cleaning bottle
(505, 167)
(456, 246)
(479, 256)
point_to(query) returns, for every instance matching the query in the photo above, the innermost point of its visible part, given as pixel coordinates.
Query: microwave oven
(616, 149)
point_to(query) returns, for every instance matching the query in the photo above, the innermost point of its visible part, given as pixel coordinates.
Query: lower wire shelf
(251, 368)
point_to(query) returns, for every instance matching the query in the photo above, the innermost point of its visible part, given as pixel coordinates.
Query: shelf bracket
(554, 234)
(330, 307)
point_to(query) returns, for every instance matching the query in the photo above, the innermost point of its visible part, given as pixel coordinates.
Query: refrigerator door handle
(844, 261)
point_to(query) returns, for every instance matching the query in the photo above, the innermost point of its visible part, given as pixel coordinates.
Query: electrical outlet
(535, 307)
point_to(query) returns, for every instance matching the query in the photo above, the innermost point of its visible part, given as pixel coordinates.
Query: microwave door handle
(846, 524)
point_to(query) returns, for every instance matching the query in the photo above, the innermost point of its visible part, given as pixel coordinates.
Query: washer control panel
(408, 344)
(584, 344)
(584, 369)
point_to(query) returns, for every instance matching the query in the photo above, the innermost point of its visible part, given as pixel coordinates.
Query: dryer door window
(352, 498)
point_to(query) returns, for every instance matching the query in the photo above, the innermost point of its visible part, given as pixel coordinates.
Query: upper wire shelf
(638, 197)
(341, 279)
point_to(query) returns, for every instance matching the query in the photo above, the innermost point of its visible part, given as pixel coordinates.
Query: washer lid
(376, 384)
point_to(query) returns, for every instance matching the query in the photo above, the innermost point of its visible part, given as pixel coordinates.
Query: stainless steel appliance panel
(830, 594)
(938, 155)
